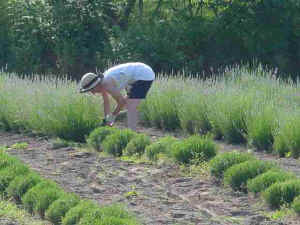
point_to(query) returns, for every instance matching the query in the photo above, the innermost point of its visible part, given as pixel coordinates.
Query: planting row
(46, 199)
(243, 106)
(129, 143)
(241, 171)
(246, 107)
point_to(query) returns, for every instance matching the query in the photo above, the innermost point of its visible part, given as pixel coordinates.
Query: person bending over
(136, 78)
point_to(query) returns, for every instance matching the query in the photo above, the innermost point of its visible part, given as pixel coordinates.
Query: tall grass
(48, 106)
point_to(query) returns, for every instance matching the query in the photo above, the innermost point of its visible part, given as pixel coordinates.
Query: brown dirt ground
(157, 194)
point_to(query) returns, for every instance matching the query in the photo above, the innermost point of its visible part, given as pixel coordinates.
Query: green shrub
(21, 184)
(137, 145)
(6, 160)
(282, 193)
(74, 215)
(238, 175)
(107, 221)
(265, 180)
(9, 173)
(193, 113)
(160, 109)
(39, 198)
(261, 128)
(98, 135)
(60, 207)
(162, 145)
(281, 145)
(219, 164)
(194, 148)
(296, 205)
(289, 137)
(116, 143)
(108, 215)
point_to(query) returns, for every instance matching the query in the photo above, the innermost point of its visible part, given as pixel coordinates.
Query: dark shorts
(139, 89)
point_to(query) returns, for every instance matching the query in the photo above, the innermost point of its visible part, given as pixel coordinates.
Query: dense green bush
(238, 175)
(21, 184)
(219, 164)
(291, 131)
(261, 128)
(137, 145)
(98, 135)
(160, 108)
(60, 207)
(116, 143)
(39, 198)
(112, 215)
(282, 193)
(196, 147)
(296, 205)
(193, 113)
(281, 145)
(6, 160)
(8, 174)
(265, 180)
(162, 145)
(107, 221)
(74, 215)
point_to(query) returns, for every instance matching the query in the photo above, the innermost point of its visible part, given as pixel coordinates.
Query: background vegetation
(72, 37)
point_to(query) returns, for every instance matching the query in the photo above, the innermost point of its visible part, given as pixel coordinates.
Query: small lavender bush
(194, 148)
(282, 193)
(137, 145)
(219, 164)
(116, 143)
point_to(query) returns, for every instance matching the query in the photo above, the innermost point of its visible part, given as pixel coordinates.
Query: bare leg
(132, 113)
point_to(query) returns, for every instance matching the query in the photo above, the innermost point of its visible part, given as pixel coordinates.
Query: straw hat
(89, 81)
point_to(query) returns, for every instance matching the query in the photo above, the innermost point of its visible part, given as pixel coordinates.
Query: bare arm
(116, 94)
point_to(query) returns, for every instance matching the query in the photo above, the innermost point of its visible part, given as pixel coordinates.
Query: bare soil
(156, 194)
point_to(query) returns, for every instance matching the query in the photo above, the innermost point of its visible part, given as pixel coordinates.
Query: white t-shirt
(128, 73)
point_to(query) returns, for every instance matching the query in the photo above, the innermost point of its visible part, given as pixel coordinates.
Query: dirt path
(157, 195)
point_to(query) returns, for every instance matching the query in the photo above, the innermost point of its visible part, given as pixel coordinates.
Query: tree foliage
(75, 36)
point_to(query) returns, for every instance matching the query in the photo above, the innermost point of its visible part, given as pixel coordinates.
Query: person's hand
(110, 119)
